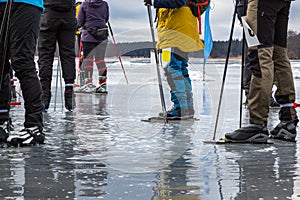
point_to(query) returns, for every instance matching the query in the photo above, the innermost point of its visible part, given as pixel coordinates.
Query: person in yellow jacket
(177, 29)
(78, 31)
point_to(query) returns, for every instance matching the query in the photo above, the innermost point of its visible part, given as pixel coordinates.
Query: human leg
(86, 74)
(262, 68)
(25, 27)
(66, 43)
(88, 61)
(5, 83)
(46, 49)
(188, 88)
(285, 94)
(176, 81)
(24, 31)
(101, 66)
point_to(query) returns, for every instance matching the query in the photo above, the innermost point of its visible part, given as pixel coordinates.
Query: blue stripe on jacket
(37, 3)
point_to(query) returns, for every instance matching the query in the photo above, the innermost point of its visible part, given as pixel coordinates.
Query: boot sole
(258, 138)
(161, 119)
(284, 135)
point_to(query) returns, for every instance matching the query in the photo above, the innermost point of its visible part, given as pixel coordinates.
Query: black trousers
(23, 31)
(57, 27)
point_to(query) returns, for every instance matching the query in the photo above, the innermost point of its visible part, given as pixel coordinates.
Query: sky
(129, 20)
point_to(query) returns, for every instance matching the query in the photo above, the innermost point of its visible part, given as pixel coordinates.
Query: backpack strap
(199, 12)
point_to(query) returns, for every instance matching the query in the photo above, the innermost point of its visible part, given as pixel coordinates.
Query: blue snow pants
(178, 79)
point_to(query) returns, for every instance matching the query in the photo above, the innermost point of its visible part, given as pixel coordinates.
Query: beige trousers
(270, 63)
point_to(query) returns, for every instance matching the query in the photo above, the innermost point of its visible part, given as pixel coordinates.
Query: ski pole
(225, 71)
(81, 66)
(203, 78)
(56, 85)
(7, 6)
(79, 62)
(242, 5)
(117, 50)
(161, 92)
(58, 75)
(61, 87)
(242, 79)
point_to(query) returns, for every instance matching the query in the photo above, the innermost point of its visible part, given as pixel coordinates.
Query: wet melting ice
(104, 151)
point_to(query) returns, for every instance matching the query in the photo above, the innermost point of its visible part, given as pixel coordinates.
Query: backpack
(60, 5)
(198, 7)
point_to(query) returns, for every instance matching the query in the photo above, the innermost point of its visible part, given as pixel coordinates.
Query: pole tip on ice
(220, 141)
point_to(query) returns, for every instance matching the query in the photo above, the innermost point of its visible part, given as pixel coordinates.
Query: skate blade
(100, 93)
(226, 141)
(161, 119)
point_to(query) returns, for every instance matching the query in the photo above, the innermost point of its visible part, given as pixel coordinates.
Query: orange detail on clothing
(88, 67)
(102, 81)
(102, 69)
(89, 59)
(99, 61)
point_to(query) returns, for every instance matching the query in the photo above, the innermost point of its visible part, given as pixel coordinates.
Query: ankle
(102, 80)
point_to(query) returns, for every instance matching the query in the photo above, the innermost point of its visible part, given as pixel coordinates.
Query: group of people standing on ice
(58, 25)
(47, 25)
(269, 64)
(177, 26)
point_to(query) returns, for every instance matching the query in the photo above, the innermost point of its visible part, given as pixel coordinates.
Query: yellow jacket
(178, 28)
(77, 11)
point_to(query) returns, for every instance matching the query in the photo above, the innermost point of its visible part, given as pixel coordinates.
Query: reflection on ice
(103, 149)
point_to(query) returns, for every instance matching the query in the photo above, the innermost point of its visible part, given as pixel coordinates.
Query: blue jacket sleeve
(170, 3)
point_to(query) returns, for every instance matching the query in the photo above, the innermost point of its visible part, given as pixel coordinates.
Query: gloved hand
(241, 9)
(148, 2)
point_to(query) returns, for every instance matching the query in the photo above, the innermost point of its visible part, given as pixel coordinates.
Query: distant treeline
(142, 49)
(294, 45)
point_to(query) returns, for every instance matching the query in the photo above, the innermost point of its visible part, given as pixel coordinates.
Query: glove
(148, 2)
(241, 9)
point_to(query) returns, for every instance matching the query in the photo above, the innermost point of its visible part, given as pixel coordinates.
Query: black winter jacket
(60, 5)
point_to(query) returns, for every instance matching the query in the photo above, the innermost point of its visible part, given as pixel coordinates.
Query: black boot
(178, 113)
(5, 128)
(249, 134)
(285, 130)
(46, 98)
(28, 136)
(4, 131)
(69, 99)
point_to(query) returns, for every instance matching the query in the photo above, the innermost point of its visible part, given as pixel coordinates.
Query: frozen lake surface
(104, 151)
